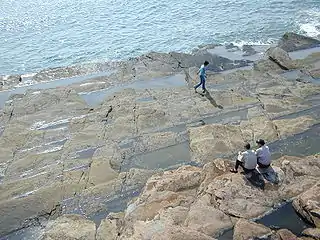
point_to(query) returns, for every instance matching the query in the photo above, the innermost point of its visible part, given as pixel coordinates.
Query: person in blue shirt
(202, 75)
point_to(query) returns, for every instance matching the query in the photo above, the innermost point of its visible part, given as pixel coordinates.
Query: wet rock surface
(127, 152)
(293, 42)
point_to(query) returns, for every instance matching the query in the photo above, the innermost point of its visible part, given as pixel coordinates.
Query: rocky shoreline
(151, 158)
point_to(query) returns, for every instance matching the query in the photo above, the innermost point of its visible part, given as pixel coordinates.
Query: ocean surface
(39, 34)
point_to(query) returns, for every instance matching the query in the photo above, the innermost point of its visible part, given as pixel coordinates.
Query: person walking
(202, 76)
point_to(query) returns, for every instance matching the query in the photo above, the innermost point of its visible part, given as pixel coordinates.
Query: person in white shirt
(247, 160)
(263, 154)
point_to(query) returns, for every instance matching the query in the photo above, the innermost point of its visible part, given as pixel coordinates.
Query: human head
(260, 142)
(206, 63)
(247, 146)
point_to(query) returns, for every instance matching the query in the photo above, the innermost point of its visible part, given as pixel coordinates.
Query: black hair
(247, 146)
(206, 63)
(261, 142)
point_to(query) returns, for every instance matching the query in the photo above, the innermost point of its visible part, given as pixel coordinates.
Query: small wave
(241, 43)
(311, 29)
(309, 23)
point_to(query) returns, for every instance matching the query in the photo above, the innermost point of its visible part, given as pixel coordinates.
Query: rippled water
(37, 34)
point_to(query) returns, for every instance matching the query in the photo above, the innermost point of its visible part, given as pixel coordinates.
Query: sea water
(39, 34)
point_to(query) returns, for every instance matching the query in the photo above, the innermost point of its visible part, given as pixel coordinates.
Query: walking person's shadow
(188, 80)
(211, 100)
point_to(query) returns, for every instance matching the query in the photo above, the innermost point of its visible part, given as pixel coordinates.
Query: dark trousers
(202, 82)
(241, 164)
(263, 166)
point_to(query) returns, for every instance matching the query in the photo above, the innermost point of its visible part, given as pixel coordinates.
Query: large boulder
(70, 227)
(285, 234)
(265, 65)
(160, 229)
(280, 57)
(109, 228)
(308, 205)
(164, 191)
(293, 42)
(312, 233)
(244, 230)
(204, 218)
(180, 233)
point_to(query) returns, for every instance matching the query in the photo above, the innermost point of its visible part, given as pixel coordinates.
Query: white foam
(309, 22)
(43, 145)
(28, 75)
(36, 125)
(42, 124)
(51, 124)
(26, 194)
(80, 117)
(54, 142)
(91, 83)
(32, 176)
(241, 43)
(310, 29)
(51, 150)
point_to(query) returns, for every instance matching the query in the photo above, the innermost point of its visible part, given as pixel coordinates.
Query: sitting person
(247, 160)
(263, 154)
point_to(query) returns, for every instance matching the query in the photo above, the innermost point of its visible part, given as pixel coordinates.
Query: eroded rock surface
(280, 57)
(312, 232)
(70, 227)
(62, 155)
(308, 205)
(244, 230)
(209, 199)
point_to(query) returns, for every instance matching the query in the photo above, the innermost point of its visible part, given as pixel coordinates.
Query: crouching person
(247, 160)
(263, 154)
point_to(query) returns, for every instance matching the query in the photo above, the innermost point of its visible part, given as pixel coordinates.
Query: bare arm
(240, 156)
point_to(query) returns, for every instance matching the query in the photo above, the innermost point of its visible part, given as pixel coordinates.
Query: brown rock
(207, 219)
(184, 178)
(266, 65)
(157, 201)
(308, 205)
(212, 170)
(110, 228)
(100, 169)
(174, 216)
(180, 233)
(70, 227)
(245, 229)
(280, 57)
(284, 234)
(312, 232)
(232, 194)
